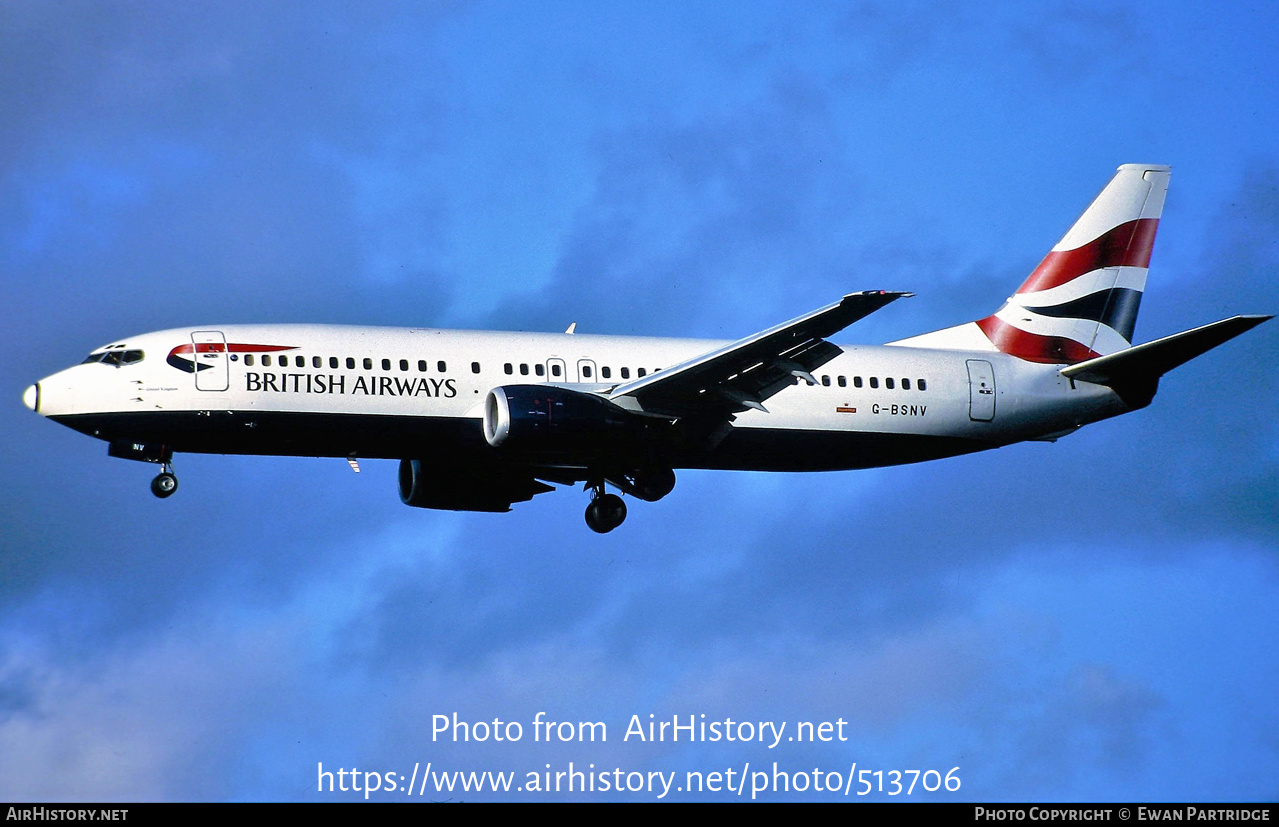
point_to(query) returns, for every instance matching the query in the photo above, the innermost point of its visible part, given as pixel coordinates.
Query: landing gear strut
(606, 511)
(165, 483)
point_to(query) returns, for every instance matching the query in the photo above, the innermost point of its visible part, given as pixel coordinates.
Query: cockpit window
(115, 357)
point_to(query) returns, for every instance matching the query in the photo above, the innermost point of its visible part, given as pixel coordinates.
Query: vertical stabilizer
(1081, 301)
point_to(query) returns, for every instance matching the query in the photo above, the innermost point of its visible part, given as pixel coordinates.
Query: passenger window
(475, 367)
(523, 369)
(843, 382)
(555, 370)
(586, 371)
(421, 366)
(368, 363)
(923, 386)
(826, 381)
(266, 360)
(539, 370)
(386, 364)
(857, 381)
(508, 369)
(441, 366)
(905, 384)
(350, 363)
(641, 372)
(248, 360)
(404, 364)
(607, 373)
(626, 373)
(874, 381)
(333, 363)
(888, 383)
(317, 362)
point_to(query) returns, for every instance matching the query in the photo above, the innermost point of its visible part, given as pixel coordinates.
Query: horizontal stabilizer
(1135, 371)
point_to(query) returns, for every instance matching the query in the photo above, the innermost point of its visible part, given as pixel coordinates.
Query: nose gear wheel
(165, 483)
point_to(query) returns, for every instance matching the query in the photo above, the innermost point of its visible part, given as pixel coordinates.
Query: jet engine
(545, 420)
(463, 487)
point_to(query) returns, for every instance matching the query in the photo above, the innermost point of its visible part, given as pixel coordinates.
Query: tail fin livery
(1081, 301)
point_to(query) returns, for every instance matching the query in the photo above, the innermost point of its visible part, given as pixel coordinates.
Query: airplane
(480, 420)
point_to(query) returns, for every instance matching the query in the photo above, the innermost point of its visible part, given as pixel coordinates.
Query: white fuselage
(322, 390)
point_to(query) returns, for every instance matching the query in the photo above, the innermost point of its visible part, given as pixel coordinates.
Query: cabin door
(981, 390)
(212, 373)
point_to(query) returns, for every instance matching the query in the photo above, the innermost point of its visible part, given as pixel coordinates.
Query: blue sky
(1094, 619)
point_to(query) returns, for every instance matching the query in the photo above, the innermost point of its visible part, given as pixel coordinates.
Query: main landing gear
(165, 483)
(606, 511)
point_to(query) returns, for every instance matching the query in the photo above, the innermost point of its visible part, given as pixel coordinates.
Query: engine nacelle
(449, 489)
(541, 419)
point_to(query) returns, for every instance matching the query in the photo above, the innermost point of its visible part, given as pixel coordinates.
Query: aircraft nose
(31, 397)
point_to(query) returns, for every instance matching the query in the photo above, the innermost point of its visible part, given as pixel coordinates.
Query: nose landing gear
(165, 483)
(606, 511)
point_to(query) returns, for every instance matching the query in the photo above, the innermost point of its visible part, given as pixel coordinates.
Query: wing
(741, 376)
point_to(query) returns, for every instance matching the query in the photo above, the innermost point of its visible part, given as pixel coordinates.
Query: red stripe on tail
(1049, 350)
(1127, 245)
